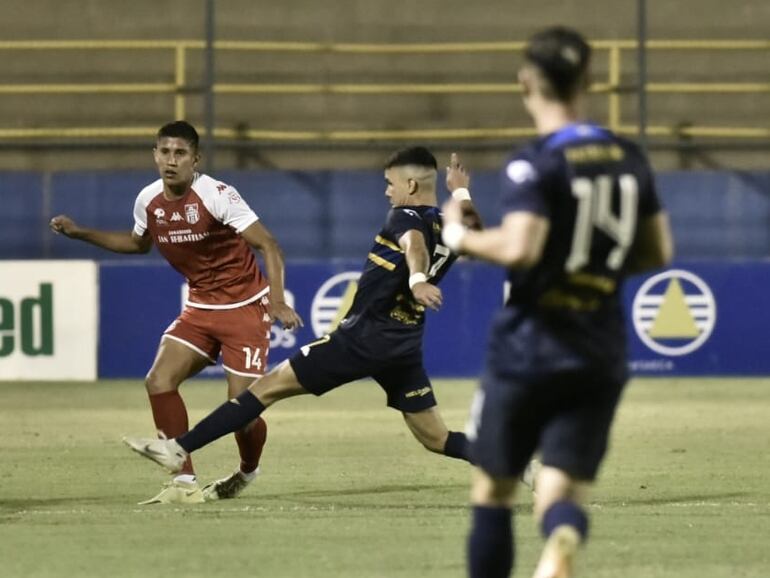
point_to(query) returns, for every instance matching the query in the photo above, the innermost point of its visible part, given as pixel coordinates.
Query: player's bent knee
(155, 383)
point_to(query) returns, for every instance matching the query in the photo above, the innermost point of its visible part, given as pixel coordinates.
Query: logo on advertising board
(34, 318)
(48, 320)
(332, 301)
(674, 312)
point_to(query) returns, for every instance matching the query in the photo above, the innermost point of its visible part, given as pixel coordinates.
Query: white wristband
(416, 278)
(453, 235)
(461, 194)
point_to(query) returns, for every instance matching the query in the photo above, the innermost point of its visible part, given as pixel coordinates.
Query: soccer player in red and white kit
(204, 229)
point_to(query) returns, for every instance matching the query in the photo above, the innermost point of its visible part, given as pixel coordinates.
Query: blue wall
(334, 214)
(715, 321)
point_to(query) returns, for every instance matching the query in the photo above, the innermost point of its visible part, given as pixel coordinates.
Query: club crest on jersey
(191, 214)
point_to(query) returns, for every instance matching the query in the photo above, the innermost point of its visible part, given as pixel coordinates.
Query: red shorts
(242, 335)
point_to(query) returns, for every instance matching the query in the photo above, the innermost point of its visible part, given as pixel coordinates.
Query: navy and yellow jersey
(593, 187)
(384, 312)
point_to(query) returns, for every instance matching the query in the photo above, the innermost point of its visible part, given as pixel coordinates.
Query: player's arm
(517, 243)
(654, 245)
(116, 241)
(418, 260)
(457, 183)
(263, 241)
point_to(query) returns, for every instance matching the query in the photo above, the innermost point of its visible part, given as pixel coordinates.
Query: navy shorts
(329, 362)
(566, 416)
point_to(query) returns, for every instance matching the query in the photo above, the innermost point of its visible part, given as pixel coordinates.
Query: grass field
(346, 492)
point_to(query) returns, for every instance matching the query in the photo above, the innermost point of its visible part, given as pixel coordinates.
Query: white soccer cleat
(558, 554)
(164, 452)
(177, 492)
(229, 487)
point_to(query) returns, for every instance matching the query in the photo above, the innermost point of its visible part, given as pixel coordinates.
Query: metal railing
(180, 90)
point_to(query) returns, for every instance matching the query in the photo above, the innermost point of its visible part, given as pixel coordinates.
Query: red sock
(251, 440)
(170, 415)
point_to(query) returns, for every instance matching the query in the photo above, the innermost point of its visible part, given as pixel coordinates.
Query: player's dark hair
(562, 55)
(180, 129)
(419, 156)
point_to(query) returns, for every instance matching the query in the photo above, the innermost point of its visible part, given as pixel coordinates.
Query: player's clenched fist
(64, 225)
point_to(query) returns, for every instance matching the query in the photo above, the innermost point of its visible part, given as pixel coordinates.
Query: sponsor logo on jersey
(176, 217)
(191, 214)
(674, 312)
(160, 215)
(332, 301)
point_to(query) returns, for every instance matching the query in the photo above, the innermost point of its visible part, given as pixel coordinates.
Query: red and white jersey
(198, 234)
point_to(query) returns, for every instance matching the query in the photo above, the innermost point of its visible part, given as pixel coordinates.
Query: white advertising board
(48, 320)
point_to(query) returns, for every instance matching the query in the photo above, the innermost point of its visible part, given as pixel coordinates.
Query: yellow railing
(180, 91)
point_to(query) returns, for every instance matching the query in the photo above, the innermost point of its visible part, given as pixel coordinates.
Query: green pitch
(346, 492)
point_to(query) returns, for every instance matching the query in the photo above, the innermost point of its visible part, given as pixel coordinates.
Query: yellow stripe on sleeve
(377, 260)
(389, 244)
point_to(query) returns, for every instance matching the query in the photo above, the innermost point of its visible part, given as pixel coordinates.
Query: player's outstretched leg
(229, 417)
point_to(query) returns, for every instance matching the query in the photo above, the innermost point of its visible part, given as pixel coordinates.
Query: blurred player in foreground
(381, 335)
(580, 213)
(204, 229)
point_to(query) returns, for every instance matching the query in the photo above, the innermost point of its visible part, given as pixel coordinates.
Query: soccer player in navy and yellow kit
(380, 336)
(579, 213)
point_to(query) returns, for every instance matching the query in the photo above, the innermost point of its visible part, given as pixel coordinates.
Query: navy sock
(227, 418)
(456, 446)
(490, 544)
(565, 513)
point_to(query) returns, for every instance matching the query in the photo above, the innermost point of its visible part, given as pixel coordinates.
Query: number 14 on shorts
(253, 359)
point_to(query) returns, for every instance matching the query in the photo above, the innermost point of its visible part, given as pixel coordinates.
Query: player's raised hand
(457, 176)
(64, 225)
(427, 295)
(281, 312)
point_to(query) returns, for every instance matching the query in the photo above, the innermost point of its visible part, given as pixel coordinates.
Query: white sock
(249, 476)
(186, 478)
